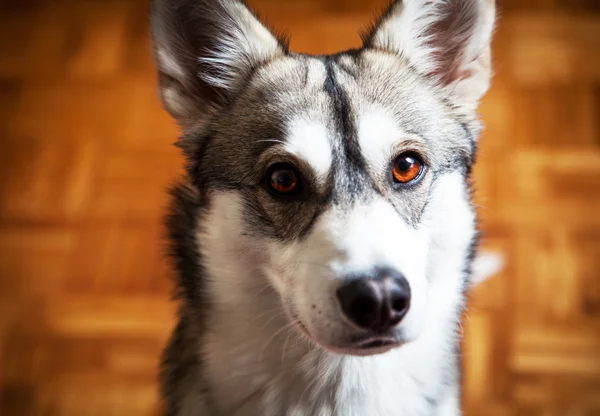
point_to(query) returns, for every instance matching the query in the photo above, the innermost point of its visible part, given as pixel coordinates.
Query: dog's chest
(399, 383)
(358, 394)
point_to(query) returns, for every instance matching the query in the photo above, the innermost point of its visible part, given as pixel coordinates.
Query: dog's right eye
(283, 179)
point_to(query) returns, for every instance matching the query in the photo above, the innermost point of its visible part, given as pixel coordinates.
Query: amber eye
(407, 167)
(283, 179)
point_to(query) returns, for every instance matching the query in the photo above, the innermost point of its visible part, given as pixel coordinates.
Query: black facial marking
(349, 167)
(330, 86)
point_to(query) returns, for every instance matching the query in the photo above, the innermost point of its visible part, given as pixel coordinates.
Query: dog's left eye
(407, 167)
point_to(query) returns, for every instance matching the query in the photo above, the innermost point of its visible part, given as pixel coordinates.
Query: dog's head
(342, 180)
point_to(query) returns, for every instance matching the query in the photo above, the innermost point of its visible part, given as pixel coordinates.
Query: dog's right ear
(205, 50)
(449, 41)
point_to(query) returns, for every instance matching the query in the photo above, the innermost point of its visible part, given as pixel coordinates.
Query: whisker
(255, 295)
(271, 141)
(285, 346)
(271, 319)
(285, 327)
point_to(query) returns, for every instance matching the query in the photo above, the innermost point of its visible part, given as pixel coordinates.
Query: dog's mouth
(372, 346)
(377, 343)
(365, 346)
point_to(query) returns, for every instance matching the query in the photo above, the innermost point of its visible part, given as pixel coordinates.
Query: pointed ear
(205, 50)
(447, 40)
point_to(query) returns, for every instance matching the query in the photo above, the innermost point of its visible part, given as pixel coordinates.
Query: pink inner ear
(448, 41)
(451, 39)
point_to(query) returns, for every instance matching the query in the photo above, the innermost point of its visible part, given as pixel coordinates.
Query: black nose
(377, 301)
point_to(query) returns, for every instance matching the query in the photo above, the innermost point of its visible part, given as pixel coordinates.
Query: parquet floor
(85, 156)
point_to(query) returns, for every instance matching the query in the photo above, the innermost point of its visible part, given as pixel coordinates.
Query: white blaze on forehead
(307, 140)
(378, 133)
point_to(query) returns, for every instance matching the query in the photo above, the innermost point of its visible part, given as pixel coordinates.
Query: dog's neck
(256, 363)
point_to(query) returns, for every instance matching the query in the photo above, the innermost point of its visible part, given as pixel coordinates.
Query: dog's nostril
(377, 302)
(364, 310)
(360, 302)
(399, 304)
(364, 305)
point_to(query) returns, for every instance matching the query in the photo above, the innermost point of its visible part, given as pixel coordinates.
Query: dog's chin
(368, 346)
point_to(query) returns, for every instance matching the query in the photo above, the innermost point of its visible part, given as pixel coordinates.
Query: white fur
(369, 236)
(250, 352)
(379, 136)
(308, 140)
(485, 265)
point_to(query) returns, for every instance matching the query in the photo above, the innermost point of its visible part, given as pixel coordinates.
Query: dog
(323, 234)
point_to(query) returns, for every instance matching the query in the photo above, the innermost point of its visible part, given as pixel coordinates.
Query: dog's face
(340, 179)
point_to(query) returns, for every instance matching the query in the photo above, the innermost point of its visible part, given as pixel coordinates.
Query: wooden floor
(85, 156)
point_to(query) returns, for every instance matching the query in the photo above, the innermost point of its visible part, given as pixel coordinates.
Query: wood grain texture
(86, 155)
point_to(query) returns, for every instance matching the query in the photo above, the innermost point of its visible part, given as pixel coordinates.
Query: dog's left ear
(446, 40)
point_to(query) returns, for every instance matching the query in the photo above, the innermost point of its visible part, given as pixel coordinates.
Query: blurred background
(86, 153)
